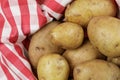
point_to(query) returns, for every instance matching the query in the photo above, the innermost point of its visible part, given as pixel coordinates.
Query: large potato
(103, 32)
(41, 44)
(67, 35)
(82, 54)
(96, 70)
(52, 67)
(81, 11)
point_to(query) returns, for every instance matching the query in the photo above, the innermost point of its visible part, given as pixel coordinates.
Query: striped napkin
(19, 19)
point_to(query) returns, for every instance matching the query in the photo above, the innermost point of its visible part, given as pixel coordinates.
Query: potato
(103, 32)
(82, 54)
(115, 60)
(82, 11)
(40, 44)
(67, 35)
(97, 70)
(52, 67)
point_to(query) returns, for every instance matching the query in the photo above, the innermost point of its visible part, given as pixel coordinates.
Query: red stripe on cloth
(1, 25)
(40, 1)
(42, 19)
(6, 71)
(8, 14)
(55, 6)
(26, 43)
(4, 60)
(19, 51)
(25, 16)
(16, 62)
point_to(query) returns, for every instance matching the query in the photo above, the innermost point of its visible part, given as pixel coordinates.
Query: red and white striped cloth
(19, 19)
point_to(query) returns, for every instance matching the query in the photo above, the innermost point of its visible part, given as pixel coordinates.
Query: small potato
(103, 33)
(41, 44)
(82, 11)
(67, 35)
(52, 67)
(82, 54)
(97, 70)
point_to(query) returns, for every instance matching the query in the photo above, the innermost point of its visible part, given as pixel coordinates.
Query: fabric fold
(18, 20)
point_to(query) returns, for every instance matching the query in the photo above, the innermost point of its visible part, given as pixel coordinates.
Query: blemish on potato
(39, 48)
(97, 48)
(78, 70)
(90, 78)
(116, 45)
(59, 68)
(108, 64)
(118, 78)
(60, 59)
(60, 62)
(94, 3)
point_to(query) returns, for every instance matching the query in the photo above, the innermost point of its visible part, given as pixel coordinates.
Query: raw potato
(82, 54)
(82, 11)
(115, 60)
(67, 35)
(41, 44)
(52, 67)
(97, 70)
(103, 32)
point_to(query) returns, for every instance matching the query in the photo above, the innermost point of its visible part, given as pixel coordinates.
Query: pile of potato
(85, 45)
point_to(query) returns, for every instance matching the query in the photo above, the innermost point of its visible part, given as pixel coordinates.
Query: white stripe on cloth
(6, 29)
(5, 32)
(49, 19)
(51, 12)
(2, 73)
(63, 2)
(16, 71)
(14, 7)
(25, 62)
(118, 2)
(11, 72)
(14, 68)
(16, 12)
(34, 24)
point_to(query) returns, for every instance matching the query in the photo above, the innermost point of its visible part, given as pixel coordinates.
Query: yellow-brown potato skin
(52, 67)
(67, 35)
(103, 32)
(82, 11)
(82, 54)
(115, 60)
(96, 70)
(41, 44)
